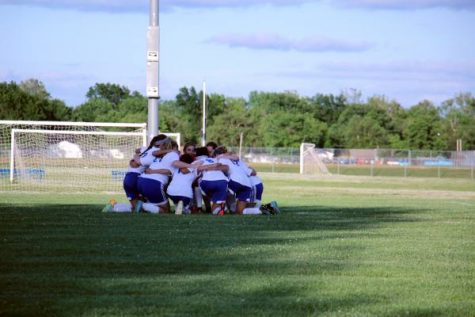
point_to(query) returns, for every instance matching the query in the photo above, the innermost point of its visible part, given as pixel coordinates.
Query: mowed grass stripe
(335, 253)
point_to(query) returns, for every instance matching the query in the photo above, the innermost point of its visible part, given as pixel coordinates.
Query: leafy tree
(112, 93)
(424, 129)
(459, 120)
(172, 120)
(16, 104)
(234, 120)
(35, 87)
(285, 129)
(263, 103)
(94, 110)
(188, 103)
(364, 132)
(327, 108)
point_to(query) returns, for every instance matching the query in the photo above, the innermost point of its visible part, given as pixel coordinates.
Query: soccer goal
(66, 157)
(311, 160)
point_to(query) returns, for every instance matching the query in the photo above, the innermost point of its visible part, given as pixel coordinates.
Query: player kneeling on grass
(152, 183)
(213, 183)
(254, 206)
(180, 189)
(239, 182)
(142, 159)
(256, 197)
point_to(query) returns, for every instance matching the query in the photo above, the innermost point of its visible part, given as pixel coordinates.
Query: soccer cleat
(138, 206)
(179, 208)
(275, 207)
(265, 210)
(110, 206)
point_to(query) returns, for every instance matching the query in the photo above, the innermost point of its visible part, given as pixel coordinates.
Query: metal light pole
(203, 128)
(153, 61)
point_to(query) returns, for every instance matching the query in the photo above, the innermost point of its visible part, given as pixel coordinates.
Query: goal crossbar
(76, 124)
(142, 134)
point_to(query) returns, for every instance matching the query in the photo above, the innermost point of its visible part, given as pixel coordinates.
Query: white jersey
(146, 158)
(211, 175)
(165, 162)
(237, 171)
(140, 169)
(255, 180)
(181, 184)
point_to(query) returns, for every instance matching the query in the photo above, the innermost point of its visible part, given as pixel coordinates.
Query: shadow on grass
(75, 260)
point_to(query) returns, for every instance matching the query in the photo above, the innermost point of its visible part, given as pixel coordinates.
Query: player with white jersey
(213, 182)
(239, 181)
(180, 189)
(135, 169)
(130, 180)
(256, 185)
(152, 183)
(257, 191)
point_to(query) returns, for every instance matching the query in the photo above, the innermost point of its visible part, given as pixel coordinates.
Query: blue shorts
(243, 193)
(130, 185)
(152, 190)
(257, 192)
(216, 191)
(186, 200)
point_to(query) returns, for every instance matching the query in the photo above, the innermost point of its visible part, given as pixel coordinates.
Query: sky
(405, 50)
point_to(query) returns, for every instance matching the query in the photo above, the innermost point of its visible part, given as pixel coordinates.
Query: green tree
(16, 104)
(35, 87)
(424, 129)
(327, 108)
(94, 110)
(459, 120)
(112, 93)
(285, 129)
(364, 132)
(188, 104)
(234, 120)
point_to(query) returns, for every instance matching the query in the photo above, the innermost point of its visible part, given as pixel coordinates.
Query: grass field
(343, 246)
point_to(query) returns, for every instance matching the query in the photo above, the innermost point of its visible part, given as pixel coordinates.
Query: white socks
(151, 208)
(198, 197)
(251, 211)
(122, 208)
(154, 209)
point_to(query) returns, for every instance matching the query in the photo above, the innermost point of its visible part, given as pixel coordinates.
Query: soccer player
(152, 183)
(239, 182)
(213, 182)
(142, 159)
(190, 149)
(211, 146)
(180, 189)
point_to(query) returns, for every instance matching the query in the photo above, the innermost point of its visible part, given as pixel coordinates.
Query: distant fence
(367, 162)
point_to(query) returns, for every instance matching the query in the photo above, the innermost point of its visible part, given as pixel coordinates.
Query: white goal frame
(308, 153)
(143, 134)
(12, 130)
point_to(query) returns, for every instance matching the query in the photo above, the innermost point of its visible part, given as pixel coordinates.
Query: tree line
(266, 119)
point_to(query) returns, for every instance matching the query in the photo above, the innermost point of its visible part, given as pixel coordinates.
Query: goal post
(311, 161)
(47, 156)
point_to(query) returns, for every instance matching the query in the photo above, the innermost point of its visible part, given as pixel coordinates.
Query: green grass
(377, 170)
(343, 246)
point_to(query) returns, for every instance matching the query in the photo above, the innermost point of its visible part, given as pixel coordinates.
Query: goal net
(67, 156)
(311, 160)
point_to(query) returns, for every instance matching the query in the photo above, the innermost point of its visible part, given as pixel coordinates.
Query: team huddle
(201, 180)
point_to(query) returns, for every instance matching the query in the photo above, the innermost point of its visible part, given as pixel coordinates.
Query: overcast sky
(406, 50)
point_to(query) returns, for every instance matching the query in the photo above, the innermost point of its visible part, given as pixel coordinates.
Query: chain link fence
(367, 162)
